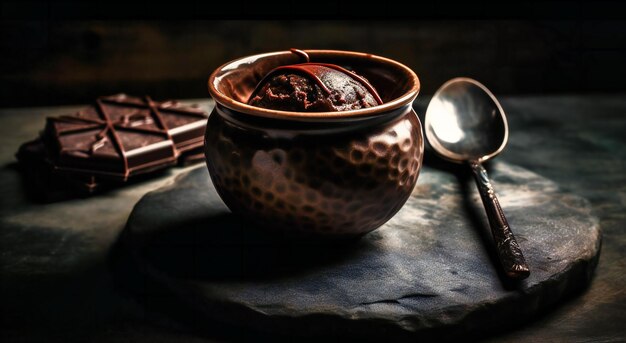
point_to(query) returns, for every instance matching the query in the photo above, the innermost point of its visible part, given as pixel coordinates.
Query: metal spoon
(466, 124)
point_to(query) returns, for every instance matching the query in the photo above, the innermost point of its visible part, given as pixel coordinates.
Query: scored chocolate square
(121, 136)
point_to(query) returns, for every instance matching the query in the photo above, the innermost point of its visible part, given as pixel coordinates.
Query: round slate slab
(428, 272)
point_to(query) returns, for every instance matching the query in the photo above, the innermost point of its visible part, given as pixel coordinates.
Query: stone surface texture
(428, 272)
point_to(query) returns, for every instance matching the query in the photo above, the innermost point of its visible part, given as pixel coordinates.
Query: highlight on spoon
(443, 121)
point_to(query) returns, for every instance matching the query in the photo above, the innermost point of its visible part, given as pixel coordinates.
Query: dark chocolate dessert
(314, 87)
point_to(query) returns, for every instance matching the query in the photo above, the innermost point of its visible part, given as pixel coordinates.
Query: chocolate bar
(105, 145)
(122, 136)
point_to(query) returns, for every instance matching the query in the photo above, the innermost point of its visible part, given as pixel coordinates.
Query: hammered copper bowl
(327, 174)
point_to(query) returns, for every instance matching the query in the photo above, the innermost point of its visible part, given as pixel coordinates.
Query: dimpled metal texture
(330, 184)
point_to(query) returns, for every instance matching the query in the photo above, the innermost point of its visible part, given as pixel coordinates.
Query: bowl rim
(220, 98)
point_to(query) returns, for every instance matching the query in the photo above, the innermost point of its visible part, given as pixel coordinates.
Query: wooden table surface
(56, 284)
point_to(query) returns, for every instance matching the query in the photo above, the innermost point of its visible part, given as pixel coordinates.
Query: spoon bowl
(464, 121)
(465, 124)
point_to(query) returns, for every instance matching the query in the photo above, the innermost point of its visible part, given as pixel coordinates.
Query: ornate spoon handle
(509, 252)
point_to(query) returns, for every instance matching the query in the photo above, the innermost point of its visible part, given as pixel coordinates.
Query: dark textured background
(62, 53)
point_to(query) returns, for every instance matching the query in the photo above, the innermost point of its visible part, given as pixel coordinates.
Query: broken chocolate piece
(41, 183)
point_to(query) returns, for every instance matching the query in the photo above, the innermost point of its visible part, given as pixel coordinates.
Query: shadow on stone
(223, 246)
(130, 279)
(214, 248)
(39, 187)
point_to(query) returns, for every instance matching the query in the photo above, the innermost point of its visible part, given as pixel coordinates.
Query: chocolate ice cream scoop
(314, 87)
